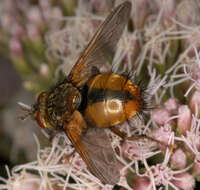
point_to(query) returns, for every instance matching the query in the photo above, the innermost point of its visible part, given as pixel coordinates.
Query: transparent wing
(102, 46)
(101, 156)
(95, 149)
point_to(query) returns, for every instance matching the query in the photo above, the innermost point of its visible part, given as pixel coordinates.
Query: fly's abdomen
(111, 100)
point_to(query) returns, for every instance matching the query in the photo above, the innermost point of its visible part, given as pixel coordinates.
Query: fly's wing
(102, 46)
(101, 156)
(95, 149)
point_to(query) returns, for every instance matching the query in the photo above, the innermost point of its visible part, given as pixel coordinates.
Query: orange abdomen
(111, 100)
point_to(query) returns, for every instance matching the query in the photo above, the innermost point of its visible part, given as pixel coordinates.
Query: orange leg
(136, 137)
(67, 157)
(118, 132)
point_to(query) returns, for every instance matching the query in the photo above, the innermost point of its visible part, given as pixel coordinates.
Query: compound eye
(40, 96)
(39, 120)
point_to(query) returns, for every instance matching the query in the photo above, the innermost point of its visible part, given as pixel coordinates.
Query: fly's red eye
(39, 121)
(40, 96)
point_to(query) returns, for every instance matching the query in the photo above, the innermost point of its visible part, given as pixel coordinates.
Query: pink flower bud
(34, 16)
(184, 119)
(160, 116)
(57, 12)
(55, 18)
(129, 150)
(33, 32)
(178, 159)
(141, 183)
(15, 47)
(172, 105)
(45, 4)
(26, 181)
(6, 21)
(162, 134)
(195, 102)
(185, 181)
(17, 31)
(77, 163)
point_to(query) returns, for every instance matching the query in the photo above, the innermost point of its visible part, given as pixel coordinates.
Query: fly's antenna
(26, 108)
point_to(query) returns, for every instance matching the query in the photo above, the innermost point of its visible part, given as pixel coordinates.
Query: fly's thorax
(61, 103)
(112, 99)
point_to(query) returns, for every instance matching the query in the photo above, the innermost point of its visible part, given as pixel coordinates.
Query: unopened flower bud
(195, 102)
(15, 47)
(26, 181)
(184, 119)
(33, 32)
(34, 16)
(185, 181)
(163, 135)
(160, 116)
(55, 18)
(178, 159)
(44, 4)
(17, 31)
(172, 105)
(57, 12)
(141, 183)
(129, 150)
(6, 21)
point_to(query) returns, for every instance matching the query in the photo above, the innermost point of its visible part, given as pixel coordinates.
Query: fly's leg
(118, 132)
(137, 137)
(67, 157)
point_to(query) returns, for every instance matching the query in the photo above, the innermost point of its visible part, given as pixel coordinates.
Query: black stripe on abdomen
(98, 95)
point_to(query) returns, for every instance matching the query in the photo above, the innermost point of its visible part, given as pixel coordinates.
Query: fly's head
(54, 107)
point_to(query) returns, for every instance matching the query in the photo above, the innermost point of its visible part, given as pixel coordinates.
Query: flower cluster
(162, 46)
(24, 25)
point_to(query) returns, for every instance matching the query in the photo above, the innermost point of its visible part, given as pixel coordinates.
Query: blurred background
(16, 140)
(25, 71)
(40, 40)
